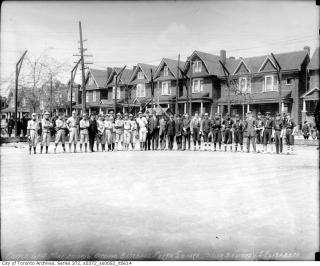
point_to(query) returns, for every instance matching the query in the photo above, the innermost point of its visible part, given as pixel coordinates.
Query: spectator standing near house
(171, 132)
(228, 124)
(4, 126)
(148, 134)
(24, 124)
(216, 131)
(154, 130)
(92, 131)
(10, 126)
(306, 130)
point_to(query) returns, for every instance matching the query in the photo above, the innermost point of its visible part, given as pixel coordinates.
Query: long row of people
(122, 132)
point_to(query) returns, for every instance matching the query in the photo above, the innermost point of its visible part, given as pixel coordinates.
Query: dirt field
(159, 205)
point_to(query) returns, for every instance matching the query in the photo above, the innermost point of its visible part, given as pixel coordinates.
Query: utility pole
(152, 89)
(227, 77)
(190, 88)
(185, 79)
(18, 68)
(83, 86)
(73, 74)
(279, 74)
(177, 86)
(116, 89)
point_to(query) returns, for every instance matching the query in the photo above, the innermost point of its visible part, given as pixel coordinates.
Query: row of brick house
(253, 85)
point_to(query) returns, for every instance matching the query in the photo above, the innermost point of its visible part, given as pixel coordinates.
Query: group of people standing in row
(114, 132)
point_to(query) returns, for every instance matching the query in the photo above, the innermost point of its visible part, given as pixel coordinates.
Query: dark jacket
(153, 124)
(179, 127)
(205, 125)
(171, 130)
(93, 128)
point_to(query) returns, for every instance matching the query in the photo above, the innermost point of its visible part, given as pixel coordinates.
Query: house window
(166, 88)
(87, 97)
(41, 105)
(270, 83)
(197, 85)
(289, 81)
(113, 92)
(73, 96)
(94, 96)
(140, 75)
(141, 90)
(197, 66)
(244, 85)
(165, 71)
(24, 103)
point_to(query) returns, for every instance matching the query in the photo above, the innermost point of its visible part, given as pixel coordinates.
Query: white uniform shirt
(33, 125)
(71, 122)
(45, 123)
(127, 124)
(84, 124)
(142, 122)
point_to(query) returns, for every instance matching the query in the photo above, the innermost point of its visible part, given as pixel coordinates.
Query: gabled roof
(287, 61)
(100, 76)
(171, 64)
(310, 92)
(124, 78)
(146, 69)
(239, 65)
(314, 62)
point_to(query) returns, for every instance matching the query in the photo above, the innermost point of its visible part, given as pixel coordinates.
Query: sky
(131, 32)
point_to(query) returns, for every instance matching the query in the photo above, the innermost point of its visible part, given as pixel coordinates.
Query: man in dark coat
(178, 127)
(238, 128)
(205, 129)
(92, 130)
(186, 131)
(154, 130)
(171, 130)
(10, 126)
(24, 122)
(216, 131)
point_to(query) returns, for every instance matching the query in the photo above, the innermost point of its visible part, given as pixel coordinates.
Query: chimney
(232, 57)
(223, 56)
(307, 48)
(134, 68)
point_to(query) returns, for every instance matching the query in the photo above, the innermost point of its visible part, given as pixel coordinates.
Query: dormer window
(141, 90)
(270, 83)
(140, 75)
(197, 85)
(165, 71)
(244, 85)
(113, 92)
(197, 66)
(166, 88)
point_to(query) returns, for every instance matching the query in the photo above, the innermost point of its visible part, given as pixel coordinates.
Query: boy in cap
(227, 122)
(72, 124)
(205, 128)
(32, 133)
(186, 131)
(61, 128)
(267, 133)
(216, 131)
(238, 128)
(259, 132)
(250, 131)
(142, 123)
(118, 126)
(134, 130)
(195, 130)
(290, 129)
(46, 131)
(84, 133)
(126, 132)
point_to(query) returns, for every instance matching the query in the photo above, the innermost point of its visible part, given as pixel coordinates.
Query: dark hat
(277, 114)
(259, 113)
(268, 113)
(249, 112)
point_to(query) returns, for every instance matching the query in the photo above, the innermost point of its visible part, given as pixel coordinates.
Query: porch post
(201, 107)
(304, 111)
(248, 107)
(123, 111)
(218, 111)
(168, 105)
(185, 108)
(100, 111)
(282, 106)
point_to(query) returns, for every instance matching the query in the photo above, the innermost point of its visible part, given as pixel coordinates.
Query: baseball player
(227, 122)
(101, 136)
(72, 124)
(195, 130)
(259, 132)
(126, 132)
(186, 132)
(290, 129)
(134, 130)
(216, 131)
(108, 132)
(267, 133)
(250, 131)
(278, 132)
(61, 128)
(238, 128)
(142, 123)
(46, 133)
(84, 133)
(118, 125)
(32, 133)
(205, 130)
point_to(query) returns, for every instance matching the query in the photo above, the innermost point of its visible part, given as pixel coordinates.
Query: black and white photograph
(160, 131)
